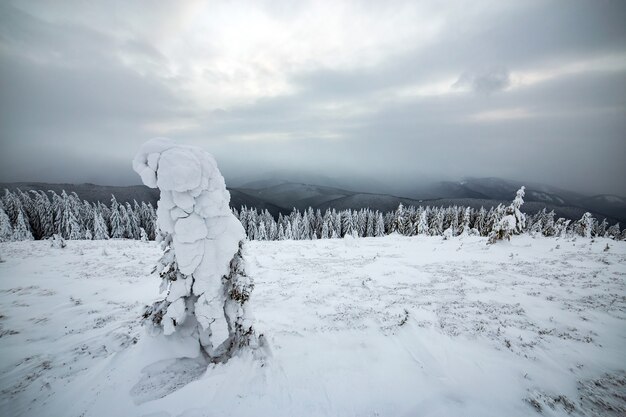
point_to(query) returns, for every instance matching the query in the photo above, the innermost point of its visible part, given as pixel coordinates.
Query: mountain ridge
(282, 198)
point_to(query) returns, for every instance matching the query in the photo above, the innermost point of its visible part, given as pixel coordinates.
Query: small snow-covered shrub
(57, 241)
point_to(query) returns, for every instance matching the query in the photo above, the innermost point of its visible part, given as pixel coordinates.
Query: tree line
(40, 215)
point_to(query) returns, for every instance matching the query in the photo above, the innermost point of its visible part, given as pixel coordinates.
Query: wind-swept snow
(389, 326)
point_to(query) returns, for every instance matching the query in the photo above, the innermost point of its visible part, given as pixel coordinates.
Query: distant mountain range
(281, 196)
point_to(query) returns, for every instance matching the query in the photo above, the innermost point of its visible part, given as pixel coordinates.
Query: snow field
(392, 326)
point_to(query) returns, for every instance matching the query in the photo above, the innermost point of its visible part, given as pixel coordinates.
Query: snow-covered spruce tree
(6, 230)
(117, 225)
(585, 226)
(12, 206)
(512, 222)
(29, 208)
(465, 225)
(379, 225)
(202, 266)
(46, 214)
(601, 228)
(100, 231)
(612, 232)
(20, 231)
(479, 222)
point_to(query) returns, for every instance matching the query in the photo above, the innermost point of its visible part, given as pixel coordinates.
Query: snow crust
(391, 326)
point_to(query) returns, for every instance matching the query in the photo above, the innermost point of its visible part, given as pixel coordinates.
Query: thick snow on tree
(585, 226)
(465, 226)
(6, 230)
(511, 222)
(202, 266)
(117, 225)
(99, 226)
(20, 231)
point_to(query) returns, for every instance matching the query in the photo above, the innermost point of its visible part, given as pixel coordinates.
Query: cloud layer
(397, 91)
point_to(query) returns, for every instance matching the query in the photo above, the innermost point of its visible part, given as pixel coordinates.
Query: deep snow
(389, 326)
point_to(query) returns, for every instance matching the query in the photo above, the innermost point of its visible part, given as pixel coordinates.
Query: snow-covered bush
(513, 221)
(202, 266)
(57, 241)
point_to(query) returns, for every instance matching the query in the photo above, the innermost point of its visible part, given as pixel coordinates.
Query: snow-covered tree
(20, 231)
(436, 224)
(479, 222)
(117, 225)
(57, 241)
(288, 230)
(585, 226)
(6, 230)
(613, 232)
(46, 215)
(400, 221)
(273, 231)
(100, 231)
(561, 226)
(512, 222)
(261, 232)
(202, 266)
(422, 223)
(465, 225)
(133, 223)
(12, 206)
(379, 225)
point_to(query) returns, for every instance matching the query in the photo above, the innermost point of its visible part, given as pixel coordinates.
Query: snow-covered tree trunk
(202, 266)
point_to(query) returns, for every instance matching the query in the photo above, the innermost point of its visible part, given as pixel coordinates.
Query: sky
(392, 92)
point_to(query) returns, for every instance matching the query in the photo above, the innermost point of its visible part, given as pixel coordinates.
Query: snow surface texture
(202, 267)
(391, 326)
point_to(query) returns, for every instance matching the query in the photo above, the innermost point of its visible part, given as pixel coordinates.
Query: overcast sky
(525, 90)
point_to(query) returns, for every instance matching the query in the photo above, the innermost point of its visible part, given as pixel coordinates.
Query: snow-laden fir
(202, 267)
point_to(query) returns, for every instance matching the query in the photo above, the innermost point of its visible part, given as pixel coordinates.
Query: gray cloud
(81, 88)
(486, 82)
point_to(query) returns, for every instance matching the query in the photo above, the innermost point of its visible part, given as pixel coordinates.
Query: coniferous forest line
(39, 215)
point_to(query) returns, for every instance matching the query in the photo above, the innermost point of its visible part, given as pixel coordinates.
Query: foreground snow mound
(391, 326)
(202, 267)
